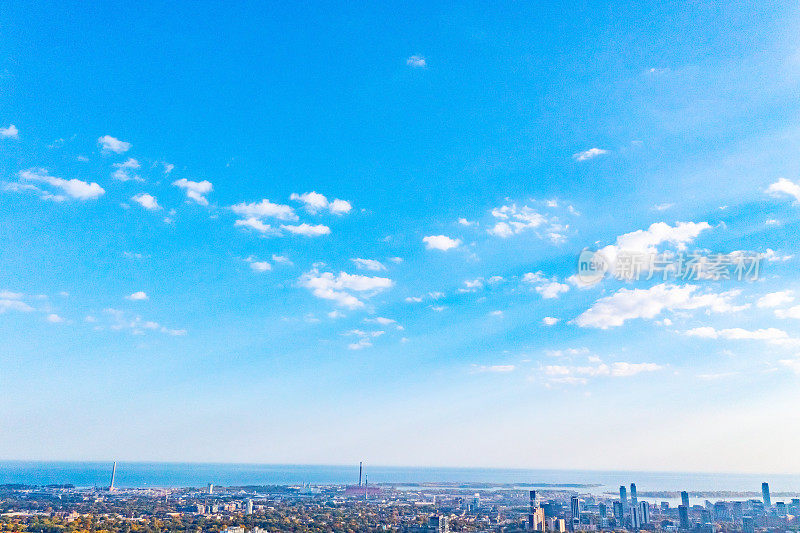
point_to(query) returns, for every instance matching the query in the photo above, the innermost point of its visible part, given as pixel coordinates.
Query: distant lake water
(135, 474)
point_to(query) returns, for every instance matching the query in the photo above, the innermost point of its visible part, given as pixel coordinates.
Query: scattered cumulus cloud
(260, 266)
(316, 202)
(440, 242)
(550, 321)
(308, 230)
(137, 296)
(548, 288)
(148, 201)
(195, 190)
(264, 209)
(9, 132)
(123, 170)
(112, 144)
(342, 288)
(73, 188)
(512, 220)
(772, 256)
(775, 299)
(552, 289)
(629, 304)
(645, 242)
(784, 187)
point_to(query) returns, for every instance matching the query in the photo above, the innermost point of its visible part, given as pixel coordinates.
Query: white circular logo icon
(592, 266)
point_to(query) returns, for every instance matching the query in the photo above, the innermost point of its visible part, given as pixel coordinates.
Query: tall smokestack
(113, 474)
(359, 473)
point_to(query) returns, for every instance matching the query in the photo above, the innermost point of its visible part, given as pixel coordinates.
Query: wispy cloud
(591, 153)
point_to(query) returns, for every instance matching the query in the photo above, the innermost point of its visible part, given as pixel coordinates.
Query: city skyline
(331, 236)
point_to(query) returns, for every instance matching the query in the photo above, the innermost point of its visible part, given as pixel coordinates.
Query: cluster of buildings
(591, 513)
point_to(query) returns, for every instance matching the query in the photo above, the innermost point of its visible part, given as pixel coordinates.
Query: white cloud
(74, 188)
(623, 369)
(11, 132)
(260, 266)
(775, 299)
(465, 222)
(120, 321)
(473, 285)
(360, 345)
(147, 201)
(54, 319)
(136, 296)
(416, 62)
(11, 301)
(256, 224)
(112, 144)
(784, 186)
(628, 304)
(11, 295)
(494, 369)
(678, 235)
(515, 219)
(550, 321)
(339, 207)
(771, 335)
(791, 364)
(580, 374)
(368, 264)
(364, 341)
(792, 312)
(552, 289)
(534, 277)
(548, 288)
(281, 259)
(773, 256)
(307, 229)
(316, 202)
(571, 352)
(339, 288)
(195, 190)
(440, 242)
(383, 321)
(512, 220)
(264, 209)
(122, 173)
(646, 242)
(591, 153)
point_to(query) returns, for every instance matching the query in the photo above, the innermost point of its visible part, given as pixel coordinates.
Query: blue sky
(316, 235)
